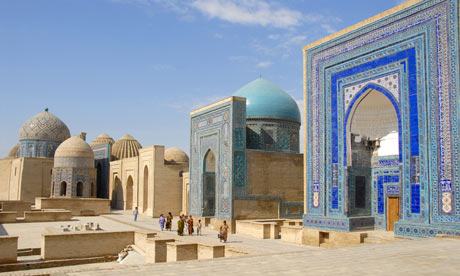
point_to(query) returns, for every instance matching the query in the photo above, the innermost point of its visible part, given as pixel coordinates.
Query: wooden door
(392, 212)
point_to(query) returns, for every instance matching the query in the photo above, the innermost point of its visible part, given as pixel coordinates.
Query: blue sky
(140, 66)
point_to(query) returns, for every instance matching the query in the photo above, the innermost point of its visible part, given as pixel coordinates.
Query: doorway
(209, 184)
(129, 194)
(392, 212)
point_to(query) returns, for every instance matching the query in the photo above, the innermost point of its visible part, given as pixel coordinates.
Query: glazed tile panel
(417, 48)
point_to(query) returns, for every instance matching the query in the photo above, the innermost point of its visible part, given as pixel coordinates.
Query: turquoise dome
(266, 100)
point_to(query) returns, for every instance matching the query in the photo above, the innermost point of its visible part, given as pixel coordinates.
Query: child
(135, 212)
(162, 222)
(198, 228)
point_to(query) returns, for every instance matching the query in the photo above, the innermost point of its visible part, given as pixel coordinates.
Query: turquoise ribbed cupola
(266, 100)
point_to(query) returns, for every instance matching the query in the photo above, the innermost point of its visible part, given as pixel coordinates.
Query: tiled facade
(102, 165)
(418, 45)
(222, 129)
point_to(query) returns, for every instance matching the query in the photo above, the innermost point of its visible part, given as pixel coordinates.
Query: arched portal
(99, 181)
(117, 194)
(209, 184)
(146, 189)
(79, 189)
(129, 193)
(371, 119)
(63, 190)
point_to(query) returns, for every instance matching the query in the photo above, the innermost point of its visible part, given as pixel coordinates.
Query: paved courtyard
(270, 257)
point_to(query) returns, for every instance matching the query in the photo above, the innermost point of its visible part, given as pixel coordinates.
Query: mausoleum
(382, 109)
(245, 161)
(74, 174)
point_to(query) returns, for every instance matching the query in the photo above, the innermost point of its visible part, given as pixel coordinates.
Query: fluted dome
(44, 127)
(102, 139)
(176, 155)
(266, 100)
(14, 152)
(75, 153)
(126, 147)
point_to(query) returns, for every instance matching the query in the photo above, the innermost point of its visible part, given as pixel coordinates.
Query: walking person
(198, 228)
(180, 226)
(135, 213)
(162, 222)
(169, 219)
(190, 225)
(223, 232)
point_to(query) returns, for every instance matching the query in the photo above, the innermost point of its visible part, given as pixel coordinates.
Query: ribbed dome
(126, 147)
(102, 139)
(44, 127)
(14, 152)
(176, 155)
(266, 100)
(74, 147)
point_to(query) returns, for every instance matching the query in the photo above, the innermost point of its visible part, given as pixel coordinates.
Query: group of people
(187, 224)
(182, 223)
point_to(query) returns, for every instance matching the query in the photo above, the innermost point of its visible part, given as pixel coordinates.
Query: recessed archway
(63, 190)
(79, 189)
(209, 184)
(117, 194)
(146, 189)
(372, 115)
(99, 183)
(129, 193)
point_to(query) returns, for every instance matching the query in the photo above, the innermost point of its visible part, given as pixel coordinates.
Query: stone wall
(256, 209)
(5, 171)
(278, 174)
(8, 249)
(47, 215)
(25, 178)
(15, 205)
(8, 217)
(75, 205)
(81, 245)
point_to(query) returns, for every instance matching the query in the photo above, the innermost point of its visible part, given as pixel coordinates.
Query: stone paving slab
(411, 257)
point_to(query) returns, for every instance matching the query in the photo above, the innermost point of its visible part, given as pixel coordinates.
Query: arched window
(63, 189)
(79, 189)
(92, 190)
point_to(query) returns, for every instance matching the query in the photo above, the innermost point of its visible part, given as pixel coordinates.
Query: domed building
(102, 148)
(41, 135)
(14, 152)
(102, 139)
(244, 157)
(175, 155)
(149, 178)
(272, 117)
(74, 174)
(26, 172)
(125, 147)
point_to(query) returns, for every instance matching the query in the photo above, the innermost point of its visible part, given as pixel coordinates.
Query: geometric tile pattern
(416, 50)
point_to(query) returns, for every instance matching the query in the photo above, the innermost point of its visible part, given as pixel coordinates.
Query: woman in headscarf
(180, 226)
(190, 225)
(169, 219)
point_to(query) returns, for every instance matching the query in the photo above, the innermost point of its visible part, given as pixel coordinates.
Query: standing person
(180, 226)
(190, 225)
(198, 228)
(162, 222)
(223, 232)
(184, 219)
(169, 219)
(135, 213)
